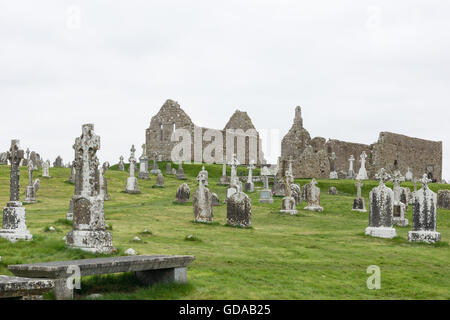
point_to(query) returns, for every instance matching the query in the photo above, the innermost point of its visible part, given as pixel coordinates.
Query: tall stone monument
(121, 164)
(33, 187)
(88, 230)
(249, 185)
(358, 203)
(143, 164)
(265, 194)
(104, 182)
(132, 182)
(381, 209)
(202, 201)
(180, 172)
(351, 173)
(399, 207)
(46, 169)
(14, 225)
(288, 204)
(235, 184)
(312, 196)
(333, 173)
(424, 215)
(155, 168)
(224, 180)
(362, 174)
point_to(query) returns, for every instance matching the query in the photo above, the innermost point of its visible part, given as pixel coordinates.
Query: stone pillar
(351, 173)
(359, 204)
(381, 209)
(88, 230)
(265, 195)
(14, 225)
(132, 183)
(143, 165)
(362, 174)
(424, 215)
(249, 185)
(202, 201)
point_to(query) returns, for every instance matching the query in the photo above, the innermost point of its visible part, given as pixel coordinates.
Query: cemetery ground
(308, 256)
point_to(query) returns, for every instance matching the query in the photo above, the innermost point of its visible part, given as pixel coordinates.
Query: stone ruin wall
(311, 156)
(172, 117)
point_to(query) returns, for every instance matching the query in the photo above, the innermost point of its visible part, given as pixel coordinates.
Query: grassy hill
(308, 256)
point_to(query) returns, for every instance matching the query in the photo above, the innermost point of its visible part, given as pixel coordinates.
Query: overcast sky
(355, 67)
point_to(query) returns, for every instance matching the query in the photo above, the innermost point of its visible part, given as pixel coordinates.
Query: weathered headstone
(312, 196)
(155, 168)
(183, 194)
(69, 215)
(180, 172)
(265, 195)
(333, 173)
(399, 218)
(362, 174)
(249, 185)
(33, 187)
(202, 201)
(359, 203)
(278, 185)
(159, 181)
(443, 199)
(88, 230)
(169, 168)
(215, 200)
(224, 180)
(424, 215)
(332, 191)
(132, 182)
(121, 164)
(104, 182)
(235, 184)
(4, 158)
(14, 225)
(381, 209)
(239, 210)
(351, 173)
(288, 204)
(409, 175)
(296, 193)
(143, 164)
(46, 169)
(58, 162)
(405, 197)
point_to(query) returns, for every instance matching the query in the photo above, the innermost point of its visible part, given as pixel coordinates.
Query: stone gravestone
(249, 185)
(409, 175)
(235, 184)
(169, 168)
(183, 194)
(296, 193)
(215, 200)
(239, 210)
(88, 230)
(33, 187)
(205, 173)
(121, 164)
(143, 164)
(278, 184)
(265, 195)
(132, 182)
(72, 174)
(405, 197)
(58, 162)
(333, 173)
(288, 204)
(313, 197)
(359, 203)
(224, 181)
(351, 173)
(46, 169)
(27, 159)
(424, 215)
(381, 209)
(14, 225)
(155, 168)
(443, 199)
(159, 181)
(202, 201)
(104, 182)
(180, 172)
(332, 191)
(69, 215)
(362, 174)
(4, 158)
(399, 207)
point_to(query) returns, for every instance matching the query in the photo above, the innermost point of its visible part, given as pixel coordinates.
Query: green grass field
(308, 256)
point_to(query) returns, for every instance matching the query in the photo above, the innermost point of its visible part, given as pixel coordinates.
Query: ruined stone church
(311, 156)
(239, 136)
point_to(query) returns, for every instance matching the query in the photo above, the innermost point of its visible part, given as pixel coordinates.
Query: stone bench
(14, 287)
(149, 269)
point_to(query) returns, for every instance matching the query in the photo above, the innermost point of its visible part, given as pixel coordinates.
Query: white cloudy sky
(355, 67)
